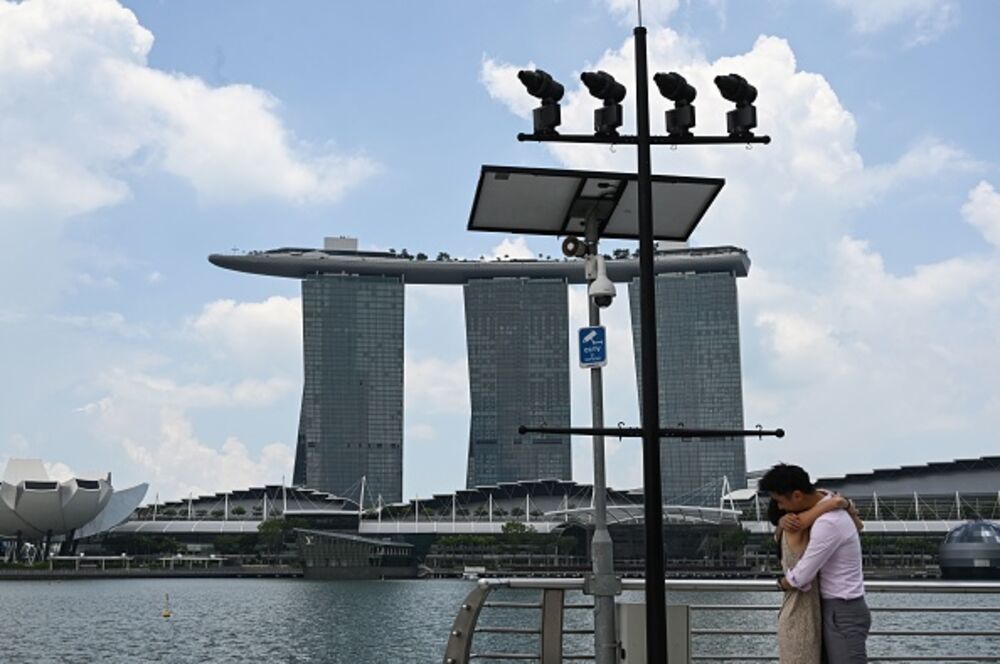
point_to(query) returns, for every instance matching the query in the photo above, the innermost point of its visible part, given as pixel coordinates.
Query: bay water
(357, 622)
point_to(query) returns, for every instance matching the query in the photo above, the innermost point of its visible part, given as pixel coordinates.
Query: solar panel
(542, 201)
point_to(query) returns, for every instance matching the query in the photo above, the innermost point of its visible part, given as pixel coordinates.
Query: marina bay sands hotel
(517, 336)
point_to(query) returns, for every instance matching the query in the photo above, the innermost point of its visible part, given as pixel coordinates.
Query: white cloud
(143, 388)
(929, 19)
(154, 278)
(501, 82)
(177, 463)
(91, 112)
(267, 333)
(982, 210)
(927, 159)
(511, 249)
(59, 472)
(436, 386)
(148, 418)
(873, 367)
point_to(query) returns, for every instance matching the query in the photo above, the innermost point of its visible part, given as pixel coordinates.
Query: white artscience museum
(33, 506)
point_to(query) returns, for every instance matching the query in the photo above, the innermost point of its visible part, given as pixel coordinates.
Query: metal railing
(551, 626)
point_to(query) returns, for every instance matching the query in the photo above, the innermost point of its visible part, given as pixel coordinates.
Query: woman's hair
(774, 513)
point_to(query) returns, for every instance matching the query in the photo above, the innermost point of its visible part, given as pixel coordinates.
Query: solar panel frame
(544, 201)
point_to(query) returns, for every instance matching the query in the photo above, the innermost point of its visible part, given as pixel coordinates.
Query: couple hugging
(823, 617)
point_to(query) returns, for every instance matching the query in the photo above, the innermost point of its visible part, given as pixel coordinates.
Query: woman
(800, 626)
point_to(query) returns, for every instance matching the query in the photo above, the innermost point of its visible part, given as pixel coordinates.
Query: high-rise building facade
(698, 363)
(518, 345)
(351, 420)
(517, 329)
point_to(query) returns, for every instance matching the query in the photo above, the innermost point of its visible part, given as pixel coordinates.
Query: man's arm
(823, 541)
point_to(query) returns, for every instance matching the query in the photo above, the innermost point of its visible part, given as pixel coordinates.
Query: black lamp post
(607, 120)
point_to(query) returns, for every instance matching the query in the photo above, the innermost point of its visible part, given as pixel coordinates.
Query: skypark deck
(298, 263)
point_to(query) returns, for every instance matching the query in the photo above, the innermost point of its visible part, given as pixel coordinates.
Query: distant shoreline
(143, 573)
(282, 572)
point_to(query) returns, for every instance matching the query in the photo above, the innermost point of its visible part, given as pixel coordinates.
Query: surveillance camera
(572, 247)
(601, 289)
(603, 292)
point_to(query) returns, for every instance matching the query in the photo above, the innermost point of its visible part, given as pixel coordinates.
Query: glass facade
(351, 419)
(518, 345)
(698, 360)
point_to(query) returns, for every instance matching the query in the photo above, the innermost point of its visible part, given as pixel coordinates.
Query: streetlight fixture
(743, 118)
(541, 85)
(603, 85)
(675, 87)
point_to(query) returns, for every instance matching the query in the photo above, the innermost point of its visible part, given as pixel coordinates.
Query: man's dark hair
(783, 479)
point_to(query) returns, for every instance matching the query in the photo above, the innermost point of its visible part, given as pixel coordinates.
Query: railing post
(678, 634)
(552, 625)
(460, 639)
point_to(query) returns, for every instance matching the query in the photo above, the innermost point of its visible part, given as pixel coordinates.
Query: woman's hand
(791, 523)
(852, 509)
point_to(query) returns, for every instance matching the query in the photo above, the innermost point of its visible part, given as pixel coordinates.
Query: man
(833, 553)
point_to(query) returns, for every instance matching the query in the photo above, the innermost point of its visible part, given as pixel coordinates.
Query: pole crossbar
(668, 432)
(628, 139)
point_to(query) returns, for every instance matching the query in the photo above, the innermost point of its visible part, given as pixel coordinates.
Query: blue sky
(137, 138)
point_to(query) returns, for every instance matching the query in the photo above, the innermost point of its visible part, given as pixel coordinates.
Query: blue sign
(593, 347)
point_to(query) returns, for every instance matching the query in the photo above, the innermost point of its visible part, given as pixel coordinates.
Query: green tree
(516, 528)
(271, 534)
(235, 544)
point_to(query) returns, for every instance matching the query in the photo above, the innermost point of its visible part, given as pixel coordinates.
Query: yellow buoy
(166, 606)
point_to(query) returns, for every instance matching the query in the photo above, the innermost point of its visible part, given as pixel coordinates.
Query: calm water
(393, 622)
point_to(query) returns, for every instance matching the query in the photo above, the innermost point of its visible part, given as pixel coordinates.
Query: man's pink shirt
(834, 553)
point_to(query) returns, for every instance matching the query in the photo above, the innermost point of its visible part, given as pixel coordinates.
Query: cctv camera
(572, 247)
(601, 289)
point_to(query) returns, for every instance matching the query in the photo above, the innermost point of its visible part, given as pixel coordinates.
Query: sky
(137, 138)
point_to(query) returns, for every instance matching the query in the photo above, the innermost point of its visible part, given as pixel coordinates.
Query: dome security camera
(601, 289)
